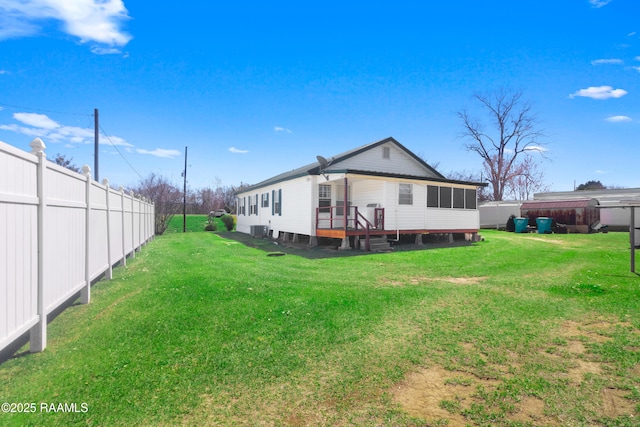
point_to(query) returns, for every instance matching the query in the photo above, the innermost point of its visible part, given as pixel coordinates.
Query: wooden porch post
(346, 205)
(345, 215)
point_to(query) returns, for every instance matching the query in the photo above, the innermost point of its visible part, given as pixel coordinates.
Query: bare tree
(514, 137)
(61, 160)
(166, 197)
(529, 179)
(483, 195)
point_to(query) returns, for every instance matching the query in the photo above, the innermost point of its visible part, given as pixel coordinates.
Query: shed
(577, 214)
(495, 214)
(615, 217)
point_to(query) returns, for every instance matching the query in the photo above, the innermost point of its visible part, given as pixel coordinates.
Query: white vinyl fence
(59, 231)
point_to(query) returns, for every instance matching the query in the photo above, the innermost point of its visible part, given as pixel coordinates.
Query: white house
(389, 191)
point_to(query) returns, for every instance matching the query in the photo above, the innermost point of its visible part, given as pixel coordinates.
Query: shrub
(211, 226)
(228, 222)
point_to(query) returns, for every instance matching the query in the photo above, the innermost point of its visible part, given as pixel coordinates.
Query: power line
(119, 152)
(43, 110)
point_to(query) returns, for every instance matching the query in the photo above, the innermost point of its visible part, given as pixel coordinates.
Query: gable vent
(386, 152)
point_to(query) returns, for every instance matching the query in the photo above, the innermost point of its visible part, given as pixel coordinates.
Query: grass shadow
(304, 250)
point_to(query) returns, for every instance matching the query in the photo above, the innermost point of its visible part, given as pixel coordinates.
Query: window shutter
(244, 206)
(273, 201)
(280, 202)
(256, 204)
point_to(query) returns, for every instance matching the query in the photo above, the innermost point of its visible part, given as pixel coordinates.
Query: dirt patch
(576, 347)
(583, 367)
(423, 392)
(464, 280)
(531, 410)
(555, 242)
(422, 280)
(615, 404)
(595, 331)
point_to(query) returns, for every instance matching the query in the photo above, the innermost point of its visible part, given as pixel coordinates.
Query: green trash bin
(544, 225)
(521, 224)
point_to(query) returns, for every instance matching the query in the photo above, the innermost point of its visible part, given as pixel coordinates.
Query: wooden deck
(341, 233)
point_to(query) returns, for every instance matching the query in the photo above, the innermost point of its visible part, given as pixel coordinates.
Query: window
(265, 200)
(470, 199)
(241, 205)
(253, 205)
(276, 207)
(340, 199)
(405, 194)
(458, 198)
(432, 196)
(386, 152)
(324, 198)
(445, 197)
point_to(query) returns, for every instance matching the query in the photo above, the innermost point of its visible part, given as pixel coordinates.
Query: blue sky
(259, 88)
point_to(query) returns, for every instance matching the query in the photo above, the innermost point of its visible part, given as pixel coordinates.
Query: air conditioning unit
(259, 231)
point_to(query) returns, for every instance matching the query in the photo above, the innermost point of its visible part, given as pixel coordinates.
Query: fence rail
(59, 231)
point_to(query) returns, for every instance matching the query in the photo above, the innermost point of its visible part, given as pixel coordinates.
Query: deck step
(376, 244)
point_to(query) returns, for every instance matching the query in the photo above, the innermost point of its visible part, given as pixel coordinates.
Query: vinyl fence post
(109, 272)
(632, 237)
(123, 261)
(140, 240)
(38, 333)
(85, 292)
(133, 229)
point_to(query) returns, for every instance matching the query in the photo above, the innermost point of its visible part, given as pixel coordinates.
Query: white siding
(452, 219)
(399, 162)
(415, 216)
(298, 208)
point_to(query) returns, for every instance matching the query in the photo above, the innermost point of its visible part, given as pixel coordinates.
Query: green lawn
(194, 223)
(518, 330)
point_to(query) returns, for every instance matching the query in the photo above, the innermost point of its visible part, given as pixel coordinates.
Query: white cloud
(600, 172)
(606, 61)
(237, 151)
(160, 152)
(23, 130)
(48, 129)
(599, 3)
(636, 68)
(279, 129)
(36, 120)
(599, 92)
(537, 148)
(105, 50)
(3, 72)
(89, 20)
(618, 119)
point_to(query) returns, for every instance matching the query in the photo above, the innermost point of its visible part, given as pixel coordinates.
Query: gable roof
(314, 168)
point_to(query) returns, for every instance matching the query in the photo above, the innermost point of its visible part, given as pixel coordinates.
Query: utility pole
(96, 141)
(184, 199)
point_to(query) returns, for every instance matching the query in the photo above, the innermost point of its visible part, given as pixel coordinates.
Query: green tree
(591, 185)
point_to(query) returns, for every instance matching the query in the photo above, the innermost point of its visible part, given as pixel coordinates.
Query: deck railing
(354, 220)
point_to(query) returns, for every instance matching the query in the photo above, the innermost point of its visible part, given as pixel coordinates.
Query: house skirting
(342, 233)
